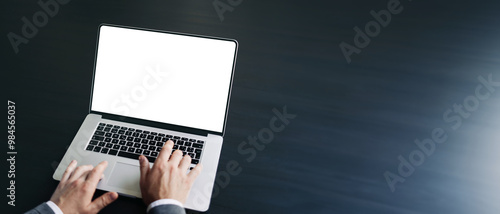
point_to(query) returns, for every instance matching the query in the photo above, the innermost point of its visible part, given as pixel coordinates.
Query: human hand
(74, 192)
(167, 179)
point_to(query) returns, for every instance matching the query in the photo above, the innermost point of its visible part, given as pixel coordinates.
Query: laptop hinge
(154, 124)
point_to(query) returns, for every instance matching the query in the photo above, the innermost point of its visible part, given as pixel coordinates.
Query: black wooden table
(395, 102)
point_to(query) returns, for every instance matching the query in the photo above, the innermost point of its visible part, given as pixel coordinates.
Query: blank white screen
(169, 78)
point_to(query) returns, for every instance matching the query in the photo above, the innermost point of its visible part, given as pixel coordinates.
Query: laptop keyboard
(130, 143)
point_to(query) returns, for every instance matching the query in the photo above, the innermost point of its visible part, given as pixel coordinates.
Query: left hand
(78, 184)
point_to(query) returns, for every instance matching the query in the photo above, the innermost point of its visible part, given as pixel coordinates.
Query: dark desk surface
(353, 119)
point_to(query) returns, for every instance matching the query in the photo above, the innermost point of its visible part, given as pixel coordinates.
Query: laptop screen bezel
(158, 124)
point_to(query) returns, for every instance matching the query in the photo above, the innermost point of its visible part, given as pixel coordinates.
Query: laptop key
(194, 161)
(146, 152)
(102, 143)
(144, 146)
(97, 138)
(116, 147)
(94, 142)
(99, 133)
(128, 155)
(131, 149)
(196, 145)
(137, 145)
(154, 154)
(97, 149)
(104, 150)
(138, 151)
(113, 152)
(89, 148)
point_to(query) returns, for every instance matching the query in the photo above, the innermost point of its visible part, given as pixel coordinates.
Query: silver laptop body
(162, 83)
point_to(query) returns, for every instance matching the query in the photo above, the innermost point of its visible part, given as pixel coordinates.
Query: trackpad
(125, 176)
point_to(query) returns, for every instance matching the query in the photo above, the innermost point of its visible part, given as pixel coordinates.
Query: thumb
(144, 162)
(103, 201)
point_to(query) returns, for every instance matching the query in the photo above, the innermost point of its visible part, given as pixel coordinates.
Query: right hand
(167, 179)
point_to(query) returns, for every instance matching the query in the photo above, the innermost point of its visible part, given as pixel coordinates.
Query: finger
(79, 172)
(69, 170)
(185, 162)
(193, 174)
(96, 173)
(165, 152)
(176, 157)
(103, 201)
(144, 168)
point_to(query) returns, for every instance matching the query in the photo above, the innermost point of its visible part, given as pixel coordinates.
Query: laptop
(150, 86)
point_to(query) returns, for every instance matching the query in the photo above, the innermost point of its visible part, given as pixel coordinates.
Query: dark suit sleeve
(41, 209)
(167, 209)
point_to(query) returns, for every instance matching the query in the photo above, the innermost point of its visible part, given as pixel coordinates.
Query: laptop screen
(163, 77)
